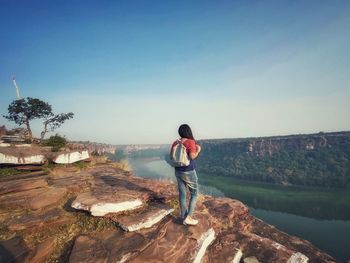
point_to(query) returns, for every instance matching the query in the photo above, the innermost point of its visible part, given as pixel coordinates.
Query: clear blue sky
(132, 71)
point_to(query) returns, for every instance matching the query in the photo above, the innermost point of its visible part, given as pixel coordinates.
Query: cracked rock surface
(104, 214)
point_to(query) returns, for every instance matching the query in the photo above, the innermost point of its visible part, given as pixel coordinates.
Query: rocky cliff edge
(105, 214)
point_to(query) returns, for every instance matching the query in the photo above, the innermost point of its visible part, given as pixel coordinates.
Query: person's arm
(195, 149)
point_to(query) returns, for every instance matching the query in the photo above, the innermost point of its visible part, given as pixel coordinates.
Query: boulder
(71, 157)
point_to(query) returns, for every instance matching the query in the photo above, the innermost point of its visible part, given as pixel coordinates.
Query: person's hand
(199, 148)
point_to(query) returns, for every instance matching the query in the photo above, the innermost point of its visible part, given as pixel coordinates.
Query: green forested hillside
(318, 159)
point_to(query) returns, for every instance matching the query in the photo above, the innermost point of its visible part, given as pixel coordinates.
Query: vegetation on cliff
(319, 159)
(23, 111)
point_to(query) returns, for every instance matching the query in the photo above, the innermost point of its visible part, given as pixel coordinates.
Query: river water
(321, 216)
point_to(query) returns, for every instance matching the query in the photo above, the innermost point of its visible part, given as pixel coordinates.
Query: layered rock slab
(178, 243)
(16, 155)
(70, 157)
(225, 248)
(100, 203)
(304, 247)
(33, 199)
(149, 216)
(73, 183)
(22, 185)
(226, 212)
(109, 246)
(47, 219)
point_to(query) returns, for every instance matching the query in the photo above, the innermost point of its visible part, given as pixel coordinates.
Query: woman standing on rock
(186, 150)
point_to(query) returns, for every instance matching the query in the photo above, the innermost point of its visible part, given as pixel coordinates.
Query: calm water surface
(317, 215)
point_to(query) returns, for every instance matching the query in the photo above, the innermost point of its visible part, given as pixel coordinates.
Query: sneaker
(190, 221)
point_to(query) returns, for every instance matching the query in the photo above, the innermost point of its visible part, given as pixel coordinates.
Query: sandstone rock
(23, 176)
(109, 246)
(21, 185)
(147, 218)
(225, 248)
(226, 211)
(32, 199)
(102, 203)
(11, 159)
(74, 183)
(47, 219)
(71, 157)
(262, 229)
(264, 249)
(298, 258)
(108, 190)
(17, 155)
(178, 243)
(13, 250)
(50, 197)
(42, 251)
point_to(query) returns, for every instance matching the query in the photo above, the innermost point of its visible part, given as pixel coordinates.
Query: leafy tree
(23, 111)
(53, 122)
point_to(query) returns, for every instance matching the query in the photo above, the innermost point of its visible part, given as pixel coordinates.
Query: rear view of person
(185, 172)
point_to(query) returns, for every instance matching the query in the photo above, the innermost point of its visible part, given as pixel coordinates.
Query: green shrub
(81, 165)
(56, 142)
(8, 172)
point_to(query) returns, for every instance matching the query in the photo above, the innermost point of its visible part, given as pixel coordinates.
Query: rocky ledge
(105, 214)
(28, 154)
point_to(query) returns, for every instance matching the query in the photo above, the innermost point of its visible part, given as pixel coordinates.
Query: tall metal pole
(17, 88)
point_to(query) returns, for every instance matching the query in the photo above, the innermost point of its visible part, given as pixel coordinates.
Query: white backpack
(179, 156)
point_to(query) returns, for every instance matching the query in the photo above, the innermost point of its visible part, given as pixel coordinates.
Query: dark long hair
(185, 132)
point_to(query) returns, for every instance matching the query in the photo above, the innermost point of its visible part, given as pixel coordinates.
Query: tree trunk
(29, 130)
(44, 131)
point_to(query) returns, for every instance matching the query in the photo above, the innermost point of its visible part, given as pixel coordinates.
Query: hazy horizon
(132, 72)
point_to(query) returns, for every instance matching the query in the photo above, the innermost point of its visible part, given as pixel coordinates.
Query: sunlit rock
(31, 159)
(102, 204)
(150, 216)
(71, 157)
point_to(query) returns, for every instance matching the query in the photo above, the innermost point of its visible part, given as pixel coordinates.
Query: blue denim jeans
(187, 180)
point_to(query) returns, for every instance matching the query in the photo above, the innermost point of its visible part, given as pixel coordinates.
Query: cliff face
(321, 159)
(271, 145)
(130, 219)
